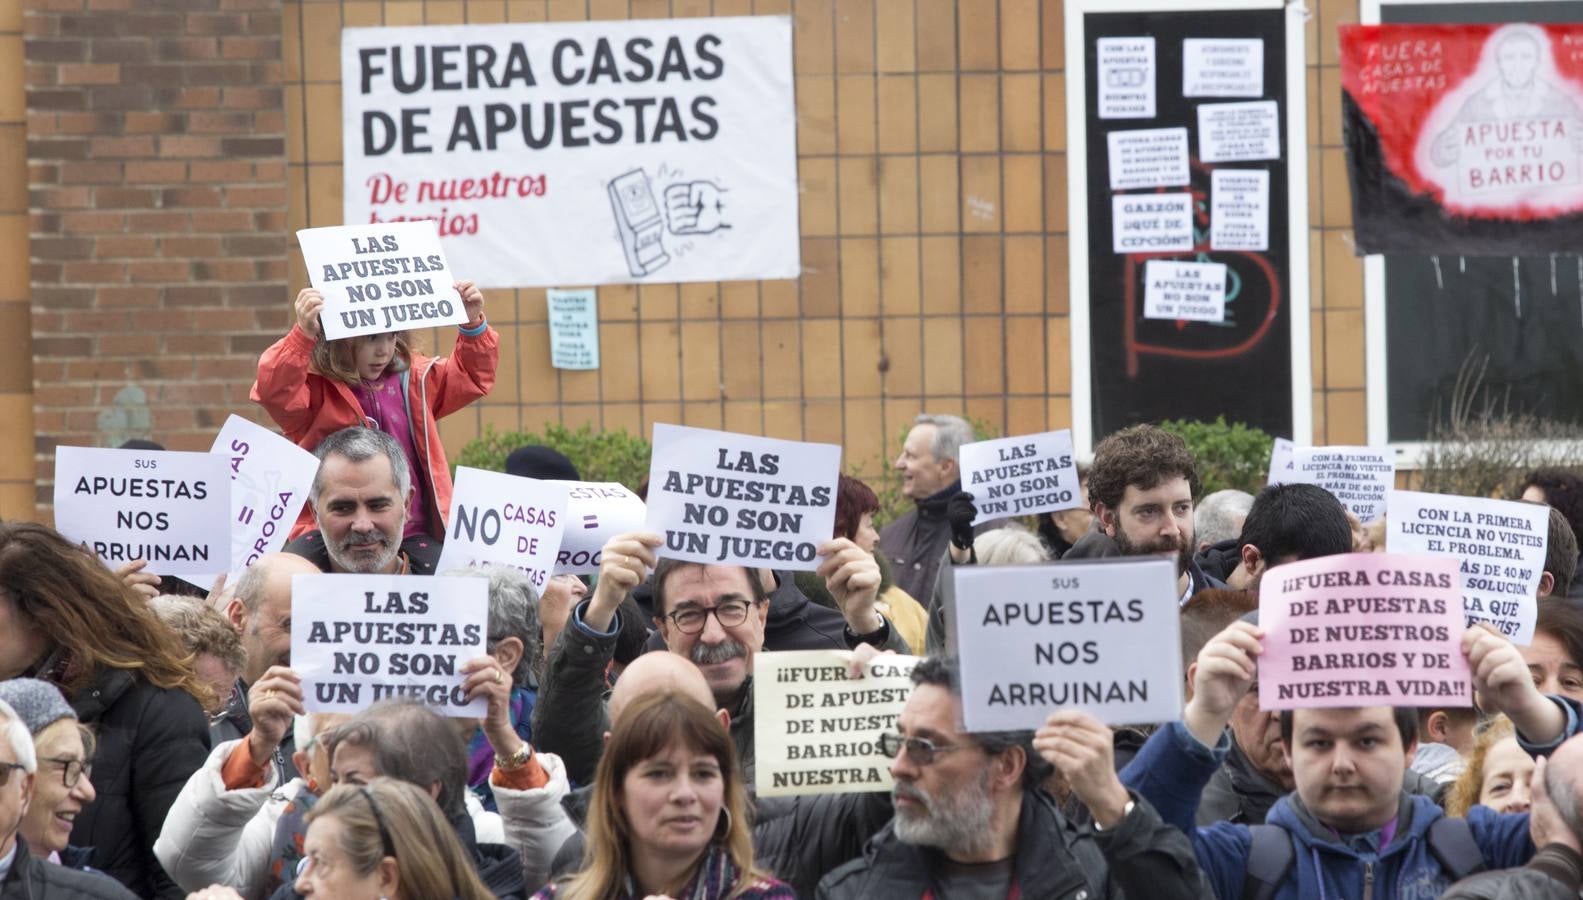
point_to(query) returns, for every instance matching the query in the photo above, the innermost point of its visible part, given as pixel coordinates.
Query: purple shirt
(384, 405)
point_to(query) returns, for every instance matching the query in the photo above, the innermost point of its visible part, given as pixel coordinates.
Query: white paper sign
(505, 520)
(738, 499)
(1359, 477)
(595, 513)
(1239, 209)
(1148, 157)
(1101, 637)
(1020, 476)
(1195, 292)
(1500, 545)
(1223, 67)
(1228, 132)
(270, 480)
(584, 153)
(1151, 223)
(359, 639)
(1126, 78)
(168, 507)
(816, 731)
(379, 278)
(1282, 469)
(574, 329)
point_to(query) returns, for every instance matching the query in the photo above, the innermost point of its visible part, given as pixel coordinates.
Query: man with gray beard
(360, 497)
(972, 820)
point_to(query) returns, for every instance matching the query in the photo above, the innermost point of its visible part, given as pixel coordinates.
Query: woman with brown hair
(669, 816)
(67, 619)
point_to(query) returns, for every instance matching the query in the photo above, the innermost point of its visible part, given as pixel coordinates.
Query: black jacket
(151, 740)
(422, 551)
(38, 879)
(1554, 873)
(916, 541)
(1238, 793)
(1142, 857)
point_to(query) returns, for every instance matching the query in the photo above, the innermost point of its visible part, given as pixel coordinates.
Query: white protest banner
(1282, 467)
(1101, 637)
(574, 329)
(358, 639)
(1239, 209)
(1228, 132)
(169, 507)
(595, 513)
(1195, 292)
(1126, 77)
(1499, 544)
(270, 480)
(1018, 476)
(1149, 157)
(1222, 67)
(1359, 477)
(583, 153)
(1362, 629)
(379, 278)
(1151, 223)
(504, 520)
(816, 731)
(739, 499)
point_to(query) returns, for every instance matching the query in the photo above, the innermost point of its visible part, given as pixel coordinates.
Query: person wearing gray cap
(64, 748)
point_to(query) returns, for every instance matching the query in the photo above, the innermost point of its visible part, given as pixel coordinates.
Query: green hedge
(599, 456)
(1229, 455)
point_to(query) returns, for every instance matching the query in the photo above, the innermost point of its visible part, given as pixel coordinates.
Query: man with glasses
(712, 614)
(972, 820)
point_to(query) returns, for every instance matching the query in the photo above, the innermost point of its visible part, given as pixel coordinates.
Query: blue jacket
(1173, 767)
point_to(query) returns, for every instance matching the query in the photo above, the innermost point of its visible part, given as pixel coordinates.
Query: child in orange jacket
(313, 387)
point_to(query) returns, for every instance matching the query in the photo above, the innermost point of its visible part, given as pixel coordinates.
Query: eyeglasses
(920, 750)
(71, 770)
(6, 770)
(729, 614)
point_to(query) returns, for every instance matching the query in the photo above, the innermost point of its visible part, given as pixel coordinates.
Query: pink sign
(1363, 629)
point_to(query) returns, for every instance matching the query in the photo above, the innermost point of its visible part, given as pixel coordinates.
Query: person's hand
(145, 584)
(561, 593)
(273, 702)
(215, 892)
(852, 576)
(960, 512)
(624, 562)
(1502, 679)
(309, 304)
(1545, 825)
(486, 680)
(472, 302)
(861, 657)
(218, 596)
(1226, 669)
(1083, 750)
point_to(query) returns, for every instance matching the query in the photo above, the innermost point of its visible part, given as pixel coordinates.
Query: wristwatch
(516, 760)
(1125, 812)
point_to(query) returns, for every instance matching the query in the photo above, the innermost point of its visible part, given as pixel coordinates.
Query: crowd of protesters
(160, 746)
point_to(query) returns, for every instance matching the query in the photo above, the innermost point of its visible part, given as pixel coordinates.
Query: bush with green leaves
(1229, 455)
(599, 455)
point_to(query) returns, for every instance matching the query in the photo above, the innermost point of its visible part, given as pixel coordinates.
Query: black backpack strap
(1269, 859)
(1451, 841)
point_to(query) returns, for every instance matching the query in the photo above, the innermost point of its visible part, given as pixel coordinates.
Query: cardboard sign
(1149, 157)
(1499, 546)
(595, 513)
(1101, 637)
(1228, 132)
(1222, 67)
(270, 480)
(1126, 78)
(1359, 477)
(379, 278)
(1192, 292)
(816, 731)
(359, 639)
(1239, 209)
(742, 500)
(1152, 223)
(1282, 467)
(1363, 629)
(506, 520)
(168, 507)
(1020, 476)
(574, 329)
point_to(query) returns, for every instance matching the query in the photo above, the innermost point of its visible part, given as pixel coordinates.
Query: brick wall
(156, 182)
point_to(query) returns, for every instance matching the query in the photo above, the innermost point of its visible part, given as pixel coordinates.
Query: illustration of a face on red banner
(1485, 120)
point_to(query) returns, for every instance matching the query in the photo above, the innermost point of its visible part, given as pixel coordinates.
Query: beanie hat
(545, 463)
(38, 704)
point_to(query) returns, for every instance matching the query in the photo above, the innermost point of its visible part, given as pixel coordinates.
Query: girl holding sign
(313, 387)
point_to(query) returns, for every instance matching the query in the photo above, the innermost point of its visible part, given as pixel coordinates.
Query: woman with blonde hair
(1497, 774)
(386, 840)
(669, 816)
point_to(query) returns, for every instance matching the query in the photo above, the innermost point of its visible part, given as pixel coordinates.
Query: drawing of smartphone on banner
(639, 219)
